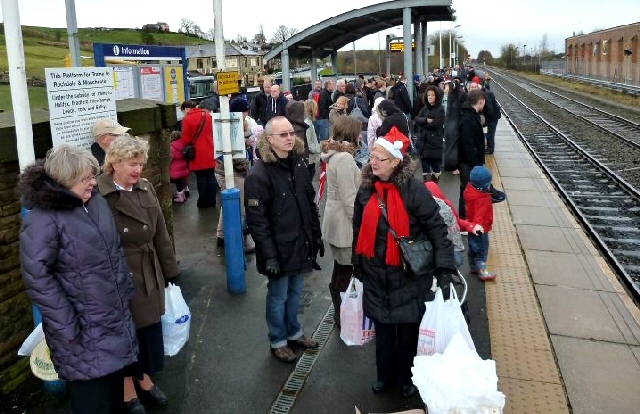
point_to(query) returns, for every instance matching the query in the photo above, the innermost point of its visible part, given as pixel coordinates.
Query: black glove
(357, 273)
(444, 279)
(272, 267)
(315, 265)
(318, 248)
(173, 280)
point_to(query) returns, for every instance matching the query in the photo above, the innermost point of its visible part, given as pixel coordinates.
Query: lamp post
(450, 45)
(379, 52)
(440, 48)
(458, 44)
(524, 54)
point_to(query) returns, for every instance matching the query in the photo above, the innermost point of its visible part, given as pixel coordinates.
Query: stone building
(244, 59)
(610, 54)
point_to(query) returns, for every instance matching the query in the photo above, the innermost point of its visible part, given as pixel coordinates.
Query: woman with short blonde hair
(149, 254)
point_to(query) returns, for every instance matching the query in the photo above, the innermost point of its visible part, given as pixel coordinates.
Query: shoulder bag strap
(383, 207)
(200, 127)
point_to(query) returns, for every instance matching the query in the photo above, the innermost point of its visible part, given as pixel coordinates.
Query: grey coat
(75, 272)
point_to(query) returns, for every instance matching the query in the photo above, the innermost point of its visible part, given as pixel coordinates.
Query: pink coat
(179, 167)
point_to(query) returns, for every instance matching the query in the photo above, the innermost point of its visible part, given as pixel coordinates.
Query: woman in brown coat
(148, 252)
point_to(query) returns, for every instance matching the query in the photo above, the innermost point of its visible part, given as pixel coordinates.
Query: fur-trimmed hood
(399, 177)
(331, 147)
(266, 153)
(40, 190)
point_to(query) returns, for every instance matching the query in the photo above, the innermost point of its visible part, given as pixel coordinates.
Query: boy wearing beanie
(477, 197)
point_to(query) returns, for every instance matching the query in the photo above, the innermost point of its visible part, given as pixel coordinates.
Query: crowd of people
(96, 253)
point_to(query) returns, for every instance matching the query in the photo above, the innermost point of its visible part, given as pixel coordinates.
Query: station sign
(227, 83)
(399, 46)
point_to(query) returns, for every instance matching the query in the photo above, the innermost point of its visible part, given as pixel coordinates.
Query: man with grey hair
(259, 104)
(341, 85)
(104, 131)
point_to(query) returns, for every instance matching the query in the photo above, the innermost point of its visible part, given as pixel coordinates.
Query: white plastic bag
(458, 381)
(440, 322)
(355, 328)
(32, 341)
(175, 321)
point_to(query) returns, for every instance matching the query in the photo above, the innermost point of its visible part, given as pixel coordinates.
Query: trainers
(284, 354)
(179, 197)
(484, 275)
(304, 342)
(186, 191)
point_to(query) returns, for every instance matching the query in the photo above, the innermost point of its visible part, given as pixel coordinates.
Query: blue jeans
(478, 250)
(322, 128)
(490, 136)
(430, 165)
(283, 301)
(458, 258)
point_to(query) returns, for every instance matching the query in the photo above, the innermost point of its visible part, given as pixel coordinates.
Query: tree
(509, 55)
(484, 56)
(240, 39)
(283, 33)
(187, 26)
(259, 39)
(146, 38)
(210, 35)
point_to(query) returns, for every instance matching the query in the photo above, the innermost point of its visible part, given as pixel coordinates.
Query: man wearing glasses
(284, 223)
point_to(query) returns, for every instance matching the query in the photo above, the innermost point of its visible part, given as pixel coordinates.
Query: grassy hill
(47, 47)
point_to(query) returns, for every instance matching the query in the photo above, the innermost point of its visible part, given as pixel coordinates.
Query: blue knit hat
(480, 176)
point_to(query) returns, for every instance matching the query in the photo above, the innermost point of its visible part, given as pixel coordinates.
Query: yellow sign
(227, 83)
(174, 84)
(399, 46)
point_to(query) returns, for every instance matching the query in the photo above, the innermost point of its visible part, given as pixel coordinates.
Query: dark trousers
(465, 170)
(431, 165)
(180, 183)
(490, 136)
(207, 188)
(396, 346)
(102, 395)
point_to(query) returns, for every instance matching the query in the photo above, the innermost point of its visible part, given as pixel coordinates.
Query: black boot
(337, 301)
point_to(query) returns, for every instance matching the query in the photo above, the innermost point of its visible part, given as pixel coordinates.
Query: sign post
(233, 234)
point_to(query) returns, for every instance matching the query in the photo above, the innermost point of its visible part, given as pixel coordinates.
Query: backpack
(356, 112)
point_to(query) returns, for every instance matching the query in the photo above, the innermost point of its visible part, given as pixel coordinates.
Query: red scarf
(398, 220)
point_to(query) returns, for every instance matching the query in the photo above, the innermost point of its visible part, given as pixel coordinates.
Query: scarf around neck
(398, 220)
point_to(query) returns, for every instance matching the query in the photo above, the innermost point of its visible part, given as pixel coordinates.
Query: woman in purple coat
(75, 272)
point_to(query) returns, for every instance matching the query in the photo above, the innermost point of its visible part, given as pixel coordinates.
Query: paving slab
(600, 377)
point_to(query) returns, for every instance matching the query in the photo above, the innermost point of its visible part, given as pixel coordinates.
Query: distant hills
(48, 46)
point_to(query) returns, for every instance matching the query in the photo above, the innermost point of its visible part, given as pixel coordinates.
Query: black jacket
(324, 105)
(492, 115)
(401, 98)
(280, 107)
(390, 296)
(471, 143)
(259, 108)
(98, 153)
(430, 134)
(280, 210)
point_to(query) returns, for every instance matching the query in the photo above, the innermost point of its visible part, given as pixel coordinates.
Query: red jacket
(464, 225)
(479, 207)
(205, 155)
(179, 167)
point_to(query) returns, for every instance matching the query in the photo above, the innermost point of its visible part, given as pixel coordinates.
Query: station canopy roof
(338, 31)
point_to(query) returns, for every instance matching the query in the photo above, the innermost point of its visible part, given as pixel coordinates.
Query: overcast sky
(484, 24)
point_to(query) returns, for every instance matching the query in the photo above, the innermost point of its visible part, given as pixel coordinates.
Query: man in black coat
(491, 120)
(471, 143)
(276, 103)
(259, 105)
(324, 106)
(283, 220)
(401, 98)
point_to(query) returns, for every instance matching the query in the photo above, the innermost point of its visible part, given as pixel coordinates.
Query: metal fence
(623, 74)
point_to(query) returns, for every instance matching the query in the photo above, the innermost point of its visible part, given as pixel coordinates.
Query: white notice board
(238, 147)
(151, 85)
(124, 82)
(77, 98)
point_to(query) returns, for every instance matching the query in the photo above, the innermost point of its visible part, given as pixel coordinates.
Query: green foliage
(146, 37)
(299, 81)
(37, 97)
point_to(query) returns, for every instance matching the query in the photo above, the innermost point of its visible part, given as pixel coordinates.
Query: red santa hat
(395, 142)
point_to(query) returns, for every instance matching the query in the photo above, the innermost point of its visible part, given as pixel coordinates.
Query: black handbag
(418, 257)
(189, 150)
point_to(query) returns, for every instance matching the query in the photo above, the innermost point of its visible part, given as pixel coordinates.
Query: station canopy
(338, 31)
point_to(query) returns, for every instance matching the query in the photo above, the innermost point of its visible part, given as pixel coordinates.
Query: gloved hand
(174, 280)
(357, 273)
(315, 265)
(444, 279)
(272, 267)
(318, 248)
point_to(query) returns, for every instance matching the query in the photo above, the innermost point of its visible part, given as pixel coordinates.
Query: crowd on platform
(96, 254)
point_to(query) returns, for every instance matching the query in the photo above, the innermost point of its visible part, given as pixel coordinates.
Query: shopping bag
(457, 381)
(355, 328)
(175, 321)
(440, 322)
(32, 341)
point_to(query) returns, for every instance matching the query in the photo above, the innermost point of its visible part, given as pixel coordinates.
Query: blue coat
(75, 272)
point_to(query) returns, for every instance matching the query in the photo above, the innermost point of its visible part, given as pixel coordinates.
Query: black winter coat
(75, 271)
(280, 210)
(390, 296)
(401, 98)
(430, 134)
(324, 104)
(471, 144)
(494, 114)
(259, 108)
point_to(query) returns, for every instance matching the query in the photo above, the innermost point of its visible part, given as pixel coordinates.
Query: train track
(605, 202)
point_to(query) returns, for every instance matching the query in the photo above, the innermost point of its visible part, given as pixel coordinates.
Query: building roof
(209, 50)
(338, 31)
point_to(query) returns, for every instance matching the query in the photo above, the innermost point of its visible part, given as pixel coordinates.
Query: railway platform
(564, 333)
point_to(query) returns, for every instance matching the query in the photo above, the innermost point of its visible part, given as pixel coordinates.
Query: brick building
(610, 54)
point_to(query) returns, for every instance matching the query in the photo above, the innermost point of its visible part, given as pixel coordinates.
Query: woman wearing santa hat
(393, 299)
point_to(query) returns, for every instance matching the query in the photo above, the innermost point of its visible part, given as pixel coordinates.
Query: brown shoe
(304, 342)
(284, 354)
